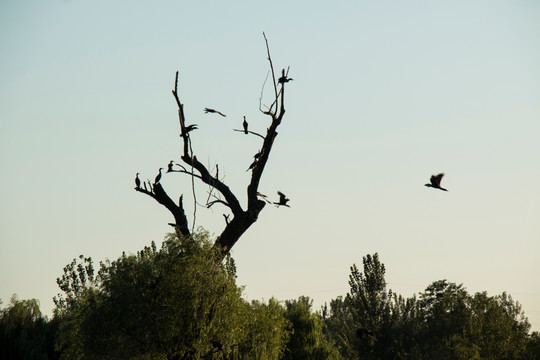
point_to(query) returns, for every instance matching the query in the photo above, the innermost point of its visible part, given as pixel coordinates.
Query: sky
(385, 94)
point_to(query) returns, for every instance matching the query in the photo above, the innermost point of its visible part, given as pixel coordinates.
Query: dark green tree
(307, 340)
(178, 302)
(366, 306)
(25, 333)
(444, 322)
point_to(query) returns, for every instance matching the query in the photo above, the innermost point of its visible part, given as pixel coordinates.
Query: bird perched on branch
(169, 166)
(283, 79)
(137, 181)
(361, 333)
(245, 124)
(208, 110)
(158, 177)
(282, 200)
(436, 182)
(189, 128)
(252, 165)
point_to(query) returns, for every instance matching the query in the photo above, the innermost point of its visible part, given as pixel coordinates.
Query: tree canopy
(178, 302)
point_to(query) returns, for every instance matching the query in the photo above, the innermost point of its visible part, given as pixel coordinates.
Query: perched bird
(258, 155)
(208, 110)
(169, 167)
(137, 181)
(252, 165)
(188, 129)
(283, 79)
(245, 124)
(282, 199)
(436, 182)
(158, 177)
(360, 333)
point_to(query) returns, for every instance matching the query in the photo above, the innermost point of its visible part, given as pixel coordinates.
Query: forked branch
(242, 219)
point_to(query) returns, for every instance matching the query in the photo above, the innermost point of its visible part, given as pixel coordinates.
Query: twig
(262, 90)
(249, 131)
(218, 201)
(271, 66)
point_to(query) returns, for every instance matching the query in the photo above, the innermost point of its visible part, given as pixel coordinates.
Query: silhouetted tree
(307, 339)
(444, 322)
(24, 333)
(171, 303)
(242, 217)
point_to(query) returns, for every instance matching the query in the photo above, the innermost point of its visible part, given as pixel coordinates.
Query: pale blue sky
(385, 94)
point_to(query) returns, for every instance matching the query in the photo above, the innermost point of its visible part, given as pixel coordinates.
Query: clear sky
(385, 93)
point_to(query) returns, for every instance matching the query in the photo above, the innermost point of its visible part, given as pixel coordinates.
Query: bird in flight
(245, 124)
(264, 197)
(436, 182)
(282, 199)
(208, 110)
(137, 181)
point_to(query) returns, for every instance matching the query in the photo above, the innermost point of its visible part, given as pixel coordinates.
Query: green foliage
(175, 303)
(24, 332)
(307, 340)
(266, 330)
(182, 302)
(445, 322)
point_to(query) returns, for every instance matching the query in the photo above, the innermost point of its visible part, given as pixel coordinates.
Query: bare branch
(271, 67)
(251, 132)
(241, 219)
(261, 96)
(218, 201)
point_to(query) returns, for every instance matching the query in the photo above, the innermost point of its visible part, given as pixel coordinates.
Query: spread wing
(436, 179)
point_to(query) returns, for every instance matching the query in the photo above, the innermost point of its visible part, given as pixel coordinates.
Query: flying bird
(158, 177)
(189, 128)
(245, 124)
(282, 199)
(436, 182)
(137, 181)
(208, 110)
(264, 197)
(360, 333)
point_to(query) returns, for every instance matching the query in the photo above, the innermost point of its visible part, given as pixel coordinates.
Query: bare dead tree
(242, 218)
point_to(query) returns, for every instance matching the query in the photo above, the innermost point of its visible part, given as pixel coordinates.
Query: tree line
(178, 302)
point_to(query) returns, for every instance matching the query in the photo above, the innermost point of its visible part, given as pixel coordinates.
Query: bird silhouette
(158, 177)
(436, 182)
(252, 165)
(283, 79)
(264, 197)
(208, 110)
(137, 181)
(189, 128)
(282, 200)
(169, 167)
(361, 332)
(245, 124)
